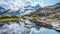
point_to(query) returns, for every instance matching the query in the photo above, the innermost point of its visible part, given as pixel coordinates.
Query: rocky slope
(48, 17)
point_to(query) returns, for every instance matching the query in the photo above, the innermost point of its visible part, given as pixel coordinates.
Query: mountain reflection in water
(25, 27)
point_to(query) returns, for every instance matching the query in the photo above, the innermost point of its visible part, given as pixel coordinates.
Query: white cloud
(13, 4)
(40, 3)
(16, 4)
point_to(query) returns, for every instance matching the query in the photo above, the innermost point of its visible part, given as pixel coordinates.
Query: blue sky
(47, 2)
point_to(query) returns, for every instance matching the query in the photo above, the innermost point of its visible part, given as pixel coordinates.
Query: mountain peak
(58, 3)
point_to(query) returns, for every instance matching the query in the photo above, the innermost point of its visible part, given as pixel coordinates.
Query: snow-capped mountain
(33, 7)
(20, 11)
(19, 7)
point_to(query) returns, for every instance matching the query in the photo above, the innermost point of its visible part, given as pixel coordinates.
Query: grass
(7, 19)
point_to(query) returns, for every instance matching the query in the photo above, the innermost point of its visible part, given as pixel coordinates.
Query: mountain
(21, 11)
(42, 17)
(20, 7)
(50, 9)
(33, 7)
(48, 17)
(49, 13)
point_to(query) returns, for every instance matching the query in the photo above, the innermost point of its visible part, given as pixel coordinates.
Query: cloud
(16, 4)
(12, 4)
(40, 3)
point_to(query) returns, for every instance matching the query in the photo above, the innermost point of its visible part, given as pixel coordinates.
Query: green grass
(7, 19)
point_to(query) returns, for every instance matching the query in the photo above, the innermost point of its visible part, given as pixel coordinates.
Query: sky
(47, 2)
